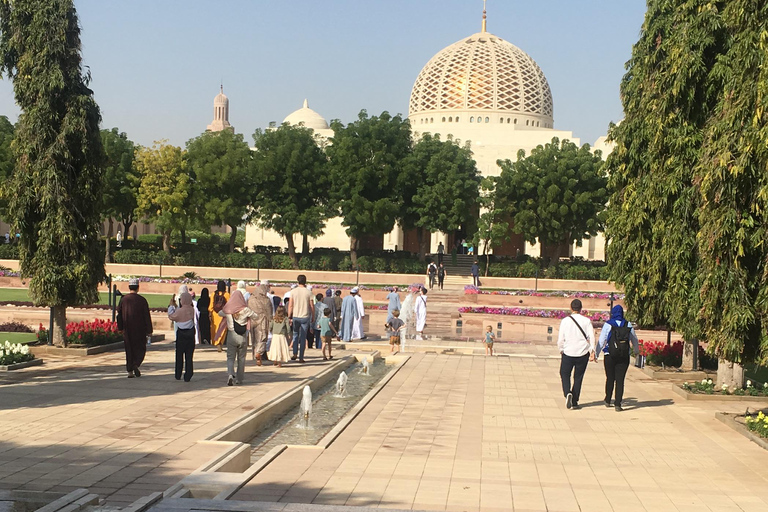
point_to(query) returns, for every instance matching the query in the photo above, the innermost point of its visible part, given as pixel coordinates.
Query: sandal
(325, 358)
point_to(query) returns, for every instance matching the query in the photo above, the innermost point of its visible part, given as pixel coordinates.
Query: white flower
(765, 386)
(749, 383)
(725, 387)
(709, 382)
(703, 382)
(685, 383)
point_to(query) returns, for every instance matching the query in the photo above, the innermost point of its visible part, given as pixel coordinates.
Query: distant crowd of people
(277, 329)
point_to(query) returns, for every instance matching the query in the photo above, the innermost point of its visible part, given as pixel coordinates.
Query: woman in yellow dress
(219, 299)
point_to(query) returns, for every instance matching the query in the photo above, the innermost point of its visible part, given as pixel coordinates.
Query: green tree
(492, 225)
(555, 196)
(219, 164)
(164, 189)
(291, 183)
(439, 186)
(121, 182)
(653, 212)
(57, 182)
(733, 178)
(7, 160)
(366, 160)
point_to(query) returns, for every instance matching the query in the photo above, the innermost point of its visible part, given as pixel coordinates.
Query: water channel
(328, 407)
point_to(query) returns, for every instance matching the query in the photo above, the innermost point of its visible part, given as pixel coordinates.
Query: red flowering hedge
(97, 332)
(658, 352)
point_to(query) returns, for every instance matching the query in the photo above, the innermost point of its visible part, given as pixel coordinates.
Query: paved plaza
(449, 432)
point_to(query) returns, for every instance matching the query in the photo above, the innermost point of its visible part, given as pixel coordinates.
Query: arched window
(457, 119)
(479, 119)
(526, 122)
(515, 121)
(472, 119)
(450, 119)
(431, 119)
(487, 120)
(443, 118)
(537, 124)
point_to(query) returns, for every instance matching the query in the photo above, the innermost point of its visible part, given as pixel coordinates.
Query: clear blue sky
(157, 64)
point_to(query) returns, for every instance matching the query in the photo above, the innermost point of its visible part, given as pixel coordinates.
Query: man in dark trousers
(576, 342)
(475, 274)
(134, 321)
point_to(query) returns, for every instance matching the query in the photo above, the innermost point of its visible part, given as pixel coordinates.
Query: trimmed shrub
(156, 240)
(9, 252)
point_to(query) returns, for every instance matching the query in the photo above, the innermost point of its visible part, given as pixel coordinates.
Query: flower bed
(14, 353)
(535, 313)
(707, 387)
(757, 424)
(15, 327)
(89, 334)
(474, 290)
(658, 353)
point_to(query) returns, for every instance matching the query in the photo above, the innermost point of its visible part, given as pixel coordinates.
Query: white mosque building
(481, 89)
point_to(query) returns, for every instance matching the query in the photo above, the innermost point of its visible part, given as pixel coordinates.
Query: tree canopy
(292, 184)
(57, 181)
(164, 189)
(121, 181)
(439, 186)
(366, 160)
(220, 167)
(492, 224)
(555, 196)
(7, 159)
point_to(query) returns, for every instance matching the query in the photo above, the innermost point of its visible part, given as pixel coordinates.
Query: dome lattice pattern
(482, 72)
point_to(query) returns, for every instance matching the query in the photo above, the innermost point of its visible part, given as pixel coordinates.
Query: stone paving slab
(455, 432)
(80, 423)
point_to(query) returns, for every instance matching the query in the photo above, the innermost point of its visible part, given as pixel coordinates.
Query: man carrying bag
(576, 342)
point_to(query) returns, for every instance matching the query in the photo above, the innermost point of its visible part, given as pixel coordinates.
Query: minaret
(220, 113)
(484, 18)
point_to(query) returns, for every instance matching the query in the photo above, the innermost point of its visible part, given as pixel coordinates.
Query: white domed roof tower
(220, 113)
(308, 118)
(487, 91)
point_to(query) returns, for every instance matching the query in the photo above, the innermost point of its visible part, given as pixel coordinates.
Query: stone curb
(19, 366)
(717, 398)
(730, 420)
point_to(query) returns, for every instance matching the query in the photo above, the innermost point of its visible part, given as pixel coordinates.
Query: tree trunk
(183, 237)
(127, 223)
(304, 245)
(422, 244)
(690, 356)
(731, 374)
(107, 251)
(353, 251)
(167, 242)
(232, 238)
(292, 251)
(550, 253)
(487, 257)
(60, 326)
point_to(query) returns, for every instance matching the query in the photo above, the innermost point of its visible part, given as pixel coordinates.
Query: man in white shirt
(576, 342)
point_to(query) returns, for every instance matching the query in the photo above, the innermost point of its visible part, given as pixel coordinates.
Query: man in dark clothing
(134, 321)
(432, 273)
(441, 275)
(337, 300)
(475, 274)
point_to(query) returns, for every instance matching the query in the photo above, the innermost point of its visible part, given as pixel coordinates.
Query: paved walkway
(79, 422)
(492, 434)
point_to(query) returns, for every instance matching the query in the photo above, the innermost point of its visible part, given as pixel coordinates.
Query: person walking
(301, 314)
(615, 338)
(330, 303)
(576, 342)
(184, 316)
(320, 308)
(349, 315)
(358, 332)
(119, 238)
(393, 304)
(421, 313)
(204, 323)
(219, 300)
(135, 322)
(475, 271)
(440, 253)
(337, 301)
(431, 273)
(441, 273)
(260, 304)
(238, 317)
(279, 351)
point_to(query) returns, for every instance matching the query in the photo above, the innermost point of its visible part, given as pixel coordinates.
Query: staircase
(462, 267)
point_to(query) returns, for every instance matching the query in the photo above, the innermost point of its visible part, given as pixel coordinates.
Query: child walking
(489, 337)
(278, 350)
(327, 331)
(393, 327)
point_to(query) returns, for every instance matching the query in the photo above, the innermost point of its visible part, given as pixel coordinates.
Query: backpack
(219, 301)
(618, 342)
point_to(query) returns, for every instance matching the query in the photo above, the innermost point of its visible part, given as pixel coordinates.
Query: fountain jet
(305, 410)
(341, 385)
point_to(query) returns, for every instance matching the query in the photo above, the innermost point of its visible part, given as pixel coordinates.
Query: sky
(156, 65)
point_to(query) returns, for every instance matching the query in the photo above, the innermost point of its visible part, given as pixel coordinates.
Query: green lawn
(17, 337)
(155, 300)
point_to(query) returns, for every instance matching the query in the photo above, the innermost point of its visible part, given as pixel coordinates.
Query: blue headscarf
(617, 316)
(329, 293)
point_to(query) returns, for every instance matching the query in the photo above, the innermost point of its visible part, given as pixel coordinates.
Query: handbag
(239, 328)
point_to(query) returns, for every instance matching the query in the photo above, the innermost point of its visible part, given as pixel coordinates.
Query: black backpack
(618, 342)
